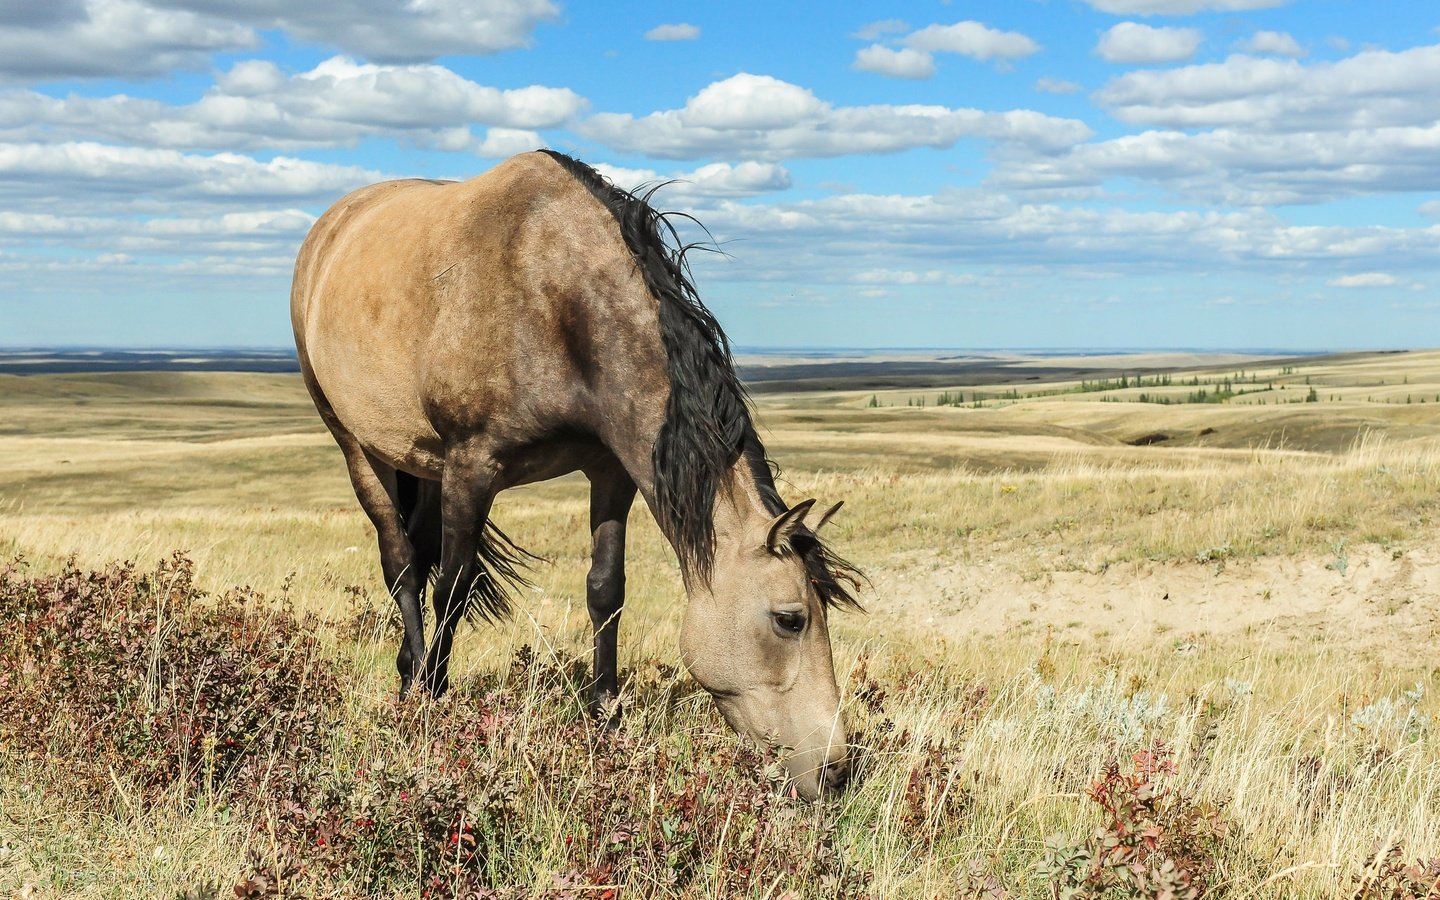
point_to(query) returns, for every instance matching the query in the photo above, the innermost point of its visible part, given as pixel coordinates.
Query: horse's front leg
(611, 494)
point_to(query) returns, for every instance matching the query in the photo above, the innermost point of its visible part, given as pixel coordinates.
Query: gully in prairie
(462, 338)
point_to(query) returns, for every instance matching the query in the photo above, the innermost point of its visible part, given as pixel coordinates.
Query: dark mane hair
(707, 425)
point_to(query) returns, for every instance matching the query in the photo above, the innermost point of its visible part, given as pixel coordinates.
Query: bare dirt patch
(1380, 602)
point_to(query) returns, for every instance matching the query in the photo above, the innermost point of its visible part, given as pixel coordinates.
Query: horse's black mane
(707, 418)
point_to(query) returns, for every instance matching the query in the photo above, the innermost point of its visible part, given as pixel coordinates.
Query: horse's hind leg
(378, 492)
(420, 507)
(466, 492)
(611, 493)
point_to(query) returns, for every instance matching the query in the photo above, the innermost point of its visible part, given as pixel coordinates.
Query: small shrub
(1152, 841)
(139, 678)
(508, 778)
(1390, 877)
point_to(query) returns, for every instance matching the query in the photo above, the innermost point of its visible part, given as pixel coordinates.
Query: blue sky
(1032, 173)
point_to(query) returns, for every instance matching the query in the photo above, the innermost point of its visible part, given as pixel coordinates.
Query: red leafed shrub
(455, 801)
(1390, 877)
(139, 679)
(1152, 842)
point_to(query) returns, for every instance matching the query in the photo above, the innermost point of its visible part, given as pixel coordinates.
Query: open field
(1238, 565)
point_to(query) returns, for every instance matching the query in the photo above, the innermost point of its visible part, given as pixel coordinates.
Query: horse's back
(423, 309)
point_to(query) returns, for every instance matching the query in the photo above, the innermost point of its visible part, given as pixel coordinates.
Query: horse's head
(756, 638)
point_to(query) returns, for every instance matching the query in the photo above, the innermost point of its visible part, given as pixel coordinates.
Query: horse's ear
(786, 524)
(826, 516)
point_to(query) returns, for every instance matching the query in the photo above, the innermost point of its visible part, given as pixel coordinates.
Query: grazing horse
(460, 338)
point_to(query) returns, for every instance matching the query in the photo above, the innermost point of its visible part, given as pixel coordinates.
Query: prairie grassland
(1017, 643)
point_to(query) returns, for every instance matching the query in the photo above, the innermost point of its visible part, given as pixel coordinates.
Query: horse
(461, 338)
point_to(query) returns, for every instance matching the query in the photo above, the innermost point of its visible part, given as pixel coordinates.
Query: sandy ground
(1379, 602)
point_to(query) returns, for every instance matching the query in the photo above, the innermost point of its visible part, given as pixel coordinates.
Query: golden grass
(1296, 742)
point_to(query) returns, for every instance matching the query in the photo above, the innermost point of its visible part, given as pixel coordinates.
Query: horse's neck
(739, 518)
(739, 505)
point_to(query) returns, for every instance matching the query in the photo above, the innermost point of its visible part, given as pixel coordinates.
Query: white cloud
(763, 118)
(34, 15)
(142, 38)
(915, 59)
(1237, 167)
(748, 101)
(1430, 208)
(1275, 43)
(936, 239)
(708, 182)
(503, 142)
(1056, 86)
(1131, 42)
(103, 172)
(1178, 7)
(1365, 279)
(972, 39)
(102, 38)
(682, 31)
(905, 62)
(876, 30)
(1372, 89)
(386, 30)
(911, 277)
(255, 105)
(255, 234)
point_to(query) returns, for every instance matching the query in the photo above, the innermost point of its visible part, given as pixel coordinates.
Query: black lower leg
(611, 494)
(420, 504)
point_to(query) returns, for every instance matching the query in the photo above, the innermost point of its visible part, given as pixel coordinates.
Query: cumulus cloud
(256, 105)
(915, 59)
(140, 38)
(746, 102)
(1246, 168)
(1372, 89)
(39, 171)
(708, 182)
(1275, 43)
(914, 240)
(1178, 7)
(912, 277)
(148, 220)
(682, 31)
(102, 38)
(972, 39)
(876, 30)
(1430, 208)
(258, 235)
(1056, 86)
(32, 15)
(1132, 42)
(1364, 280)
(503, 142)
(387, 31)
(905, 62)
(763, 118)
(1253, 130)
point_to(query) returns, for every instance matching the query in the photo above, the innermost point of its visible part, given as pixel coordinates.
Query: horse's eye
(789, 623)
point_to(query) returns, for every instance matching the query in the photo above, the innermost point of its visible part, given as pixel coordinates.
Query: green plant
(1152, 841)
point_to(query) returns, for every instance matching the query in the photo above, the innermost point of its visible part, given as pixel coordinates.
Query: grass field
(1205, 628)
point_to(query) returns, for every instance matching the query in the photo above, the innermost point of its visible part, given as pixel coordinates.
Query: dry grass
(1315, 755)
